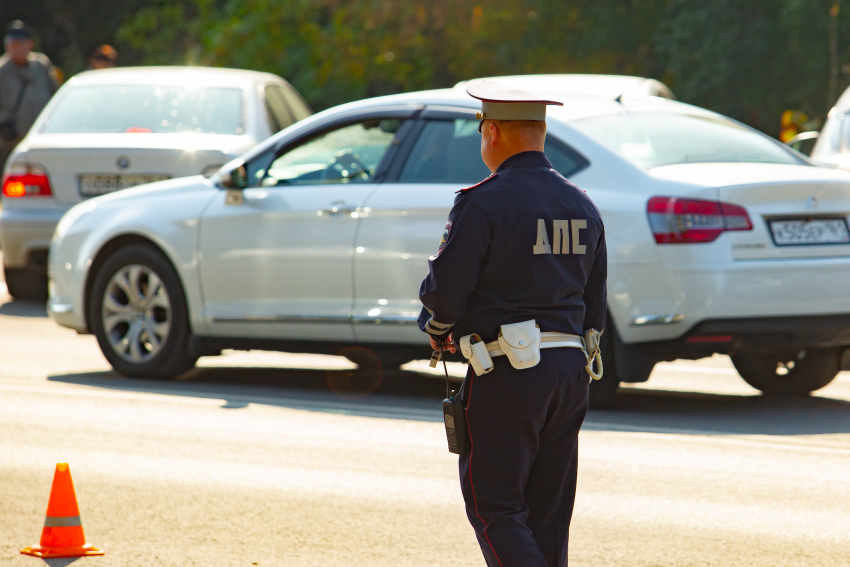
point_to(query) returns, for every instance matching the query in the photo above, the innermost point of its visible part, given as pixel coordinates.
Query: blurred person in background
(27, 81)
(104, 57)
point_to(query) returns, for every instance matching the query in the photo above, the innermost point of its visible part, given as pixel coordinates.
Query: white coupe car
(720, 240)
(116, 128)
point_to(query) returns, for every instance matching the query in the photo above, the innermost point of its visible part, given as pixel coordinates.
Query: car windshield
(105, 109)
(652, 140)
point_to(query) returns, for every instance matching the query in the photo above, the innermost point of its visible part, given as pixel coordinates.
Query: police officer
(524, 244)
(27, 82)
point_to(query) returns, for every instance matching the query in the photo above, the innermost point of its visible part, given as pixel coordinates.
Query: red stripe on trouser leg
(69, 536)
(472, 486)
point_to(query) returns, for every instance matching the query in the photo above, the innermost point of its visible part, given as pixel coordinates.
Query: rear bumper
(727, 336)
(24, 232)
(656, 303)
(776, 332)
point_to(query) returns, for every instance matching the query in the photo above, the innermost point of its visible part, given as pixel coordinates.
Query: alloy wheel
(136, 313)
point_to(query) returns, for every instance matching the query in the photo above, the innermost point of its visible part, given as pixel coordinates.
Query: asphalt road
(268, 459)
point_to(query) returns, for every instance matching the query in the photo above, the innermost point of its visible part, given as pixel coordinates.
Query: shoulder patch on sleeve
(445, 236)
(482, 182)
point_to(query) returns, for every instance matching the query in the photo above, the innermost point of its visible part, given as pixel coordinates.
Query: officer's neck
(496, 159)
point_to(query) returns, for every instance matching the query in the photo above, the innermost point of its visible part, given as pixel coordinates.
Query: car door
(278, 264)
(405, 217)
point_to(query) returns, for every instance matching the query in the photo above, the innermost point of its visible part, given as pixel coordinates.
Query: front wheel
(790, 373)
(138, 313)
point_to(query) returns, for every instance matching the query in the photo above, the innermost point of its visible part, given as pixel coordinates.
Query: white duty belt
(522, 342)
(547, 340)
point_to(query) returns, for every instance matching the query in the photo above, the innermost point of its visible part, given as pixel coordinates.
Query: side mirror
(234, 179)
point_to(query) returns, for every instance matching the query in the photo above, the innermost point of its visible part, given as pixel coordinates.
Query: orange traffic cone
(62, 535)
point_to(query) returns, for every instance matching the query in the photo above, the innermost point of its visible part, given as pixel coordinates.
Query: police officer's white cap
(504, 102)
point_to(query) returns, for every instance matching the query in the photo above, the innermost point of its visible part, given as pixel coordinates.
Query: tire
(356, 384)
(142, 333)
(789, 373)
(389, 359)
(622, 363)
(25, 283)
(392, 363)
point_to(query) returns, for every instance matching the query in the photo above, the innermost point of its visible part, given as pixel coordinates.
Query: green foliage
(750, 59)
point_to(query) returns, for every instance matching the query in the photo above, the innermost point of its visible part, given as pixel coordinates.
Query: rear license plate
(92, 185)
(792, 232)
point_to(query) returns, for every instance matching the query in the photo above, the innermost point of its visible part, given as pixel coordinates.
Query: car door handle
(338, 208)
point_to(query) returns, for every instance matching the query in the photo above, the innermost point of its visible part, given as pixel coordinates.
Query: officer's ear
(495, 132)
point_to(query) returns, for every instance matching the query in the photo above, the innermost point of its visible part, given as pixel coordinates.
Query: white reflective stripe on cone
(62, 521)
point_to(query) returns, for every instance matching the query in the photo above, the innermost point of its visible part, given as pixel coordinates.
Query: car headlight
(73, 215)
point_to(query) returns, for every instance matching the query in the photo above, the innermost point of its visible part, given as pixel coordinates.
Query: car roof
(604, 85)
(576, 106)
(176, 75)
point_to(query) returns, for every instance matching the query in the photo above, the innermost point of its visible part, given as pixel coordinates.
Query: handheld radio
(453, 415)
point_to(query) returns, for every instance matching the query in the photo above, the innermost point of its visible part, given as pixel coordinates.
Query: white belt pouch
(521, 344)
(475, 351)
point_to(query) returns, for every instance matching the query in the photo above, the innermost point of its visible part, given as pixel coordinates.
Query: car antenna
(619, 99)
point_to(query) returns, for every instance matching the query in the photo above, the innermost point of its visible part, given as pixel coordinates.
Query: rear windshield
(652, 140)
(106, 109)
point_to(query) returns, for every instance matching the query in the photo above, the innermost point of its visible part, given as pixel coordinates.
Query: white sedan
(116, 128)
(721, 240)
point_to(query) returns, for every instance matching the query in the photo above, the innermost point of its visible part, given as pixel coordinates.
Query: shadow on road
(21, 308)
(393, 395)
(717, 414)
(411, 396)
(60, 561)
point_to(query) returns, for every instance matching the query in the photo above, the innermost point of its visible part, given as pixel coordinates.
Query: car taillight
(31, 181)
(686, 221)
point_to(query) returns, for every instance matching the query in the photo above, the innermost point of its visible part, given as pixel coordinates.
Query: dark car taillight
(29, 181)
(688, 221)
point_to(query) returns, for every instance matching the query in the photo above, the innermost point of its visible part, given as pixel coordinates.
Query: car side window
(350, 154)
(564, 159)
(256, 167)
(449, 151)
(297, 105)
(277, 109)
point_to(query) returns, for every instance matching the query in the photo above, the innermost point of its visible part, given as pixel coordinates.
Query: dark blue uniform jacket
(523, 244)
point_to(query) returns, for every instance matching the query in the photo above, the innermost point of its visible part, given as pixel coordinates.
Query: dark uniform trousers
(519, 477)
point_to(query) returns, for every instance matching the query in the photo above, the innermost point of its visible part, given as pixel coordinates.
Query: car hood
(728, 174)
